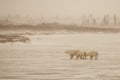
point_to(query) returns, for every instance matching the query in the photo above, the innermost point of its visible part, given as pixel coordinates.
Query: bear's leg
(77, 56)
(80, 57)
(95, 57)
(71, 56)
(91, 57)
(83, 57)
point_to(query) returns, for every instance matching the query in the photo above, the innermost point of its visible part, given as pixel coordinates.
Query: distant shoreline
(13, 38)
(58, 27)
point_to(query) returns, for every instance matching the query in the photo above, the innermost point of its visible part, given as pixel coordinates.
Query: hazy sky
(37, 8)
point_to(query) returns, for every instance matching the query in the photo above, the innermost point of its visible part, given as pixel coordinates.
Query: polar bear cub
(72, 53)
(93, 54)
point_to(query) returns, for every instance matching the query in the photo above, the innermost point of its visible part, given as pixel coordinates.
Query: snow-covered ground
(44, 58)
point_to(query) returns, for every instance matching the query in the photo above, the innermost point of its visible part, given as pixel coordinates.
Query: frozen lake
(44, 58)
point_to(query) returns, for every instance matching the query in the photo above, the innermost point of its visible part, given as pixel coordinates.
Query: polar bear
(72, 53)
(82, 55)
(93, 54)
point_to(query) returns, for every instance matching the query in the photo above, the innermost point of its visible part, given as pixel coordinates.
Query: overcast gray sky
(37, 8)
